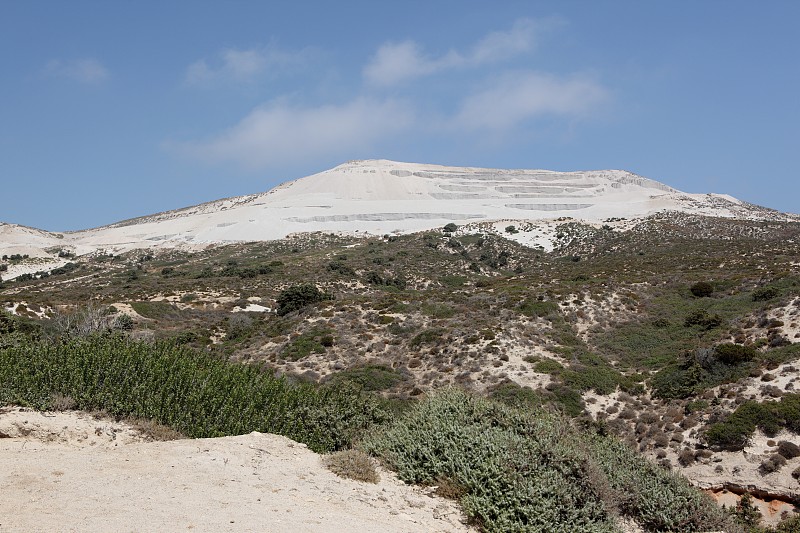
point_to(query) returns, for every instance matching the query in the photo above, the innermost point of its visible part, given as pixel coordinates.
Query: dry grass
(352, 464)
(153, 430)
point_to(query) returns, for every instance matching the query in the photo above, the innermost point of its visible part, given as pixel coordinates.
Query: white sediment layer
(380, 197)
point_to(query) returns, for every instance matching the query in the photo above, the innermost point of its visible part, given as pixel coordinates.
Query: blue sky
(111, 110)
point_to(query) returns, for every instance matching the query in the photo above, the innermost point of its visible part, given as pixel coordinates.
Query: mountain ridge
(380, 196)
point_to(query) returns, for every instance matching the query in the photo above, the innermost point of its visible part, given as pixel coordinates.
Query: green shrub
(540, 308)
(763, 294)
(369, 377)
(155, 310)
(567, 400)
(703, 319)
(297, 297)
(312, 341)
(123, 322)
(733, 354)
(702, 289)
(531, 471)
(515, 395)
(429, 336)
(735, 431)
(341, 268)
(548, 366)
(195, 393)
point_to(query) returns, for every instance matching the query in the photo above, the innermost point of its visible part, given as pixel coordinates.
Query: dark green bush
(368, 377)
(733, 354)
(789, 450)
(515, 395)
(197, 394)
(763, 294)
(703, 319)
(341, 268)
(297, 297)
(449, 228)
(429, 336)
(312, 341)
(702, 289)
(538, 308)
(735, 431)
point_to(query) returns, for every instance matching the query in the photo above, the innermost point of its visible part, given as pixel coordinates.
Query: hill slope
(378, 197)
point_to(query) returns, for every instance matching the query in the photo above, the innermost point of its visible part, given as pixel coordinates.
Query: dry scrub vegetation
(683, 346)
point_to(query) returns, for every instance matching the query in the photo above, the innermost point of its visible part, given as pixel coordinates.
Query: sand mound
(71, 472)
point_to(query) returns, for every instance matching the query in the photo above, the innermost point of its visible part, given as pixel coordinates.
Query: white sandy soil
(71, 472)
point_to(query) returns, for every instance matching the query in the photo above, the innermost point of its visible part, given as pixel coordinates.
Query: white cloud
(278, 133)
(86, 70)
(242, 65)
(397, 62)
(499, 45)
(520, 96)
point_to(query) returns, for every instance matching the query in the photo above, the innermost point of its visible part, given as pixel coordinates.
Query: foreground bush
(196, 394)
(530, 470)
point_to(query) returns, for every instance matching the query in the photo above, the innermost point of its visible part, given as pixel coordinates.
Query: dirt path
(70, 472)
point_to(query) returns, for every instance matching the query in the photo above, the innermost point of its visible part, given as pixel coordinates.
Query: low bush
(368, 377)
(733, 354)
(538, 308)
(530, 470)
(352, 464)
(763, 294)
(772, 464)
(702, 289)
(297, 297)
(195, 393)
(313, 341)
(703, 319)
(735, 431)
(789, 450)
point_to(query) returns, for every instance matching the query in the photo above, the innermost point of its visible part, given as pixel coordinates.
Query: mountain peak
(380, 196)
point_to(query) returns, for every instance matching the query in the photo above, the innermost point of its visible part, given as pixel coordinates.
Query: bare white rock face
(379, 197)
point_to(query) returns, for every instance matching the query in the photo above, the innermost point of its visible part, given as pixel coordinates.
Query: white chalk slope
(379, 197)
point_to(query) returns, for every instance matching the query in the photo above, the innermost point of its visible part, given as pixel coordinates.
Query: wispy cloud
(404, 61)
(521, 96)
(85, 70)
(243, 65)
(279, 133)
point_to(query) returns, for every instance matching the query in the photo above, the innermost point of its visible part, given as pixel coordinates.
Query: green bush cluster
(316, 340)
(530, 470)
(369, 377)
(689, 377)
(195, 393)
(374, 278)
(702, 289)
(297, 297)
(538, 308)
(703, 319)
(771, 416)
(733, 354)
(762, 294)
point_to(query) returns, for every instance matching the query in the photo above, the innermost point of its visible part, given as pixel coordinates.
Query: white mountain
(380, 197)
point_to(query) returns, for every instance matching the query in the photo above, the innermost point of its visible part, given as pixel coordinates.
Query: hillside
(605, 325)
(675, 331)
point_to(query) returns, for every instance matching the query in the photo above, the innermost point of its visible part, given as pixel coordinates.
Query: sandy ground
(71, 472)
